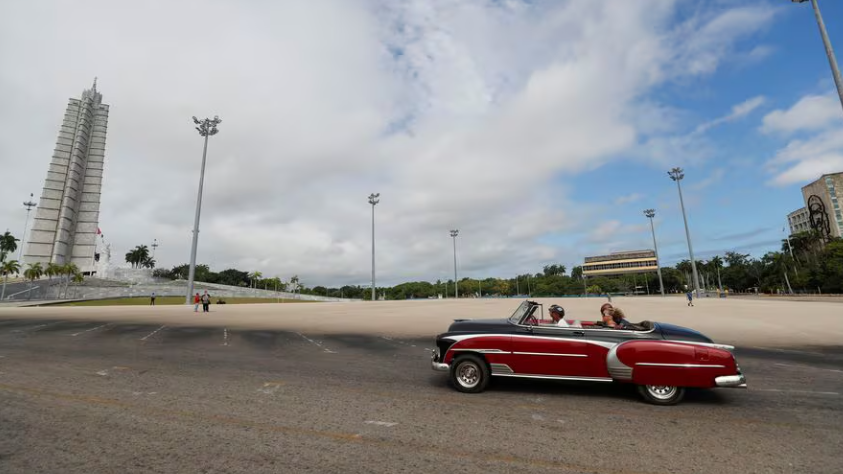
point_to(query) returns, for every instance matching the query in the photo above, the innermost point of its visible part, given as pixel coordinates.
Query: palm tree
(33, 273)
(66, 271)
(138, 256)
(51, 271)
(6, 268)
(78, 278)
(148, 263)
(8, 244)
(716, 263)
(295, 282)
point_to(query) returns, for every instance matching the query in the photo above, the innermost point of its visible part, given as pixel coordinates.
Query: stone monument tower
(67, 218)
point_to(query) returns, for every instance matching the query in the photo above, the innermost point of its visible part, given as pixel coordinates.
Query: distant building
(798, 221)
(66, 222)
(621, 263)
(822, 204)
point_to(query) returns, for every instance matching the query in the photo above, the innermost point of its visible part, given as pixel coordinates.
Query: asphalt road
(90, 397)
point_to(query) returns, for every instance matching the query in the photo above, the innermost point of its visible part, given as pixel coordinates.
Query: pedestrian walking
(690, 296)
(196, 301)
(152, 299)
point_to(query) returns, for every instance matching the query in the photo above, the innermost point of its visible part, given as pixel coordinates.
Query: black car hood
(473, 325)
(679, 333)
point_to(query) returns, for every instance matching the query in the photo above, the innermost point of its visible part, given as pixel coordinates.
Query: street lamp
(28, 205)
(828, 50)
(676, 174)
(454, 234)
(650, 213)
(154, 246)
(373, 200)
(206, 128)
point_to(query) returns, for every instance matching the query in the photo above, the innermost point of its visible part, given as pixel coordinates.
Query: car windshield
(519, 312)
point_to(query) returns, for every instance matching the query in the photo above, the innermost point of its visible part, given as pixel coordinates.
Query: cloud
(738, 111)
(743, 235)
(806, 158)
(630, 198)
(715, 177)
(457, 113)
(693, 146)
(810, 113)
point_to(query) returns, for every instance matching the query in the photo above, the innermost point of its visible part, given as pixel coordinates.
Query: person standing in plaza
(196, 301)
(690, 296)
(206, 302)
(152, 299)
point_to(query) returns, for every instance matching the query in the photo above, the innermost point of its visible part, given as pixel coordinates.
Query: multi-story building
(67, 218)
(621, 263)
(822, 202)
(798, 221)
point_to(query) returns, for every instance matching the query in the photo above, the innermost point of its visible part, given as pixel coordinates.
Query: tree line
(805, 264)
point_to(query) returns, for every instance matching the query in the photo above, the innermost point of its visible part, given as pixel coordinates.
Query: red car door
(557, 352)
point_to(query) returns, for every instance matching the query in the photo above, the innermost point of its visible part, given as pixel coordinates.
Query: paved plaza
(740, 321)
(341, 388)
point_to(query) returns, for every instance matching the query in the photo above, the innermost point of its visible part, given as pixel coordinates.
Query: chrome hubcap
(662, 392)
(468, 375)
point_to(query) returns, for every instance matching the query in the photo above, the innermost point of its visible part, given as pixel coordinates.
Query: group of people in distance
(612, 317)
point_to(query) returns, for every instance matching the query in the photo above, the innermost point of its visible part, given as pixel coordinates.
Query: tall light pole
(835, 72)
(454, 234)
(373, 200)
(206, 128)
(28, 205)
(676, 174)
(650, 213)
(154, 246)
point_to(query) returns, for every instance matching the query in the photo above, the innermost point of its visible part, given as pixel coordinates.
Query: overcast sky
(539, 129)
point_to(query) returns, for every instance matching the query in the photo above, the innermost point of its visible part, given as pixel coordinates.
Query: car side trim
(481, 351)
(556, 377)
(550, 354)
(661, 364)
(725, 347)
(463, 337)
(501, 369)
(617, 369)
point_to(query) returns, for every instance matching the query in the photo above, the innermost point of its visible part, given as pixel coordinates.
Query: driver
(557, 314)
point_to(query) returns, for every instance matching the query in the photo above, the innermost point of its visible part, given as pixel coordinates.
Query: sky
(540, 129)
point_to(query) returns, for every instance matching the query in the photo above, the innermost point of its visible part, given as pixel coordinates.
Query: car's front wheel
(469, 373)
(661, 394)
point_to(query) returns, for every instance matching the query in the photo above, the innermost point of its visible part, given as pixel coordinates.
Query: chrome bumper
(731, 381)
(438, 366)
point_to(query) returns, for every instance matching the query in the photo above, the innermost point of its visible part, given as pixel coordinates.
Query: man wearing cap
(557, 314)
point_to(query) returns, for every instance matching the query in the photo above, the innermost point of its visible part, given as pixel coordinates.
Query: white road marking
(225, 336)
(36, 328)
(793, 391)
(270, 387)
(102, 372)
(809, 367)
(382, 423)
(317, 344)
(89, 330)
(152, 333)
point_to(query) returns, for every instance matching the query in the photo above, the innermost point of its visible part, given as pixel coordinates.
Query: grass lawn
(174, 300)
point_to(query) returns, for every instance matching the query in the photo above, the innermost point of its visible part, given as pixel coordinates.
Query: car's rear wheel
(470, 374)
(661, 394)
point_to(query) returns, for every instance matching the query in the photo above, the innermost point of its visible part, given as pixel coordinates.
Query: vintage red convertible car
(661, 359)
